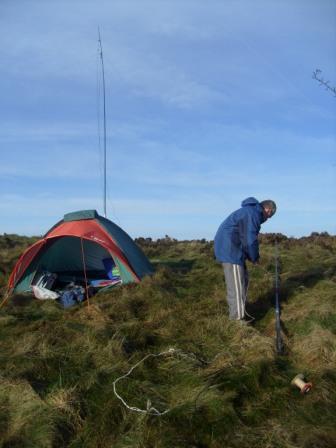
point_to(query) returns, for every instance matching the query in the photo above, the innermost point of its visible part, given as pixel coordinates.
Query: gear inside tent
(83, 251)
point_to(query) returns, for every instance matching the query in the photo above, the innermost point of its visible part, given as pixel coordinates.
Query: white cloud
(56, 43)
(136, 160)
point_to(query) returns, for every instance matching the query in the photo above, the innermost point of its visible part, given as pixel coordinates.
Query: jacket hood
(249, 201)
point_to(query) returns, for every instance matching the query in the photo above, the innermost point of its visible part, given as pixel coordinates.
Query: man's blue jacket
(236, 239)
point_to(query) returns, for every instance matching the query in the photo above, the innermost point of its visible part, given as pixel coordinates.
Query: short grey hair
(269, 204)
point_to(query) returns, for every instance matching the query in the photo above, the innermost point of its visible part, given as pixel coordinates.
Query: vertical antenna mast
(104, 110)
(279, 341)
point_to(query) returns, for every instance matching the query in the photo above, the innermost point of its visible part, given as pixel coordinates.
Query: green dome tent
(81, 246)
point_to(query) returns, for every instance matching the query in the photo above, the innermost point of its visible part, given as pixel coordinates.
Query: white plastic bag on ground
(44, 293)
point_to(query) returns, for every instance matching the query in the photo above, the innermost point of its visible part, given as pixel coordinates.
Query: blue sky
(207, 103)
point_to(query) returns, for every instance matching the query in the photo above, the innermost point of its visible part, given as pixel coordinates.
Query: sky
(207, 103)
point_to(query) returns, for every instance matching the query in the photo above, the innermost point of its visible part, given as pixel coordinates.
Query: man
(236, 241)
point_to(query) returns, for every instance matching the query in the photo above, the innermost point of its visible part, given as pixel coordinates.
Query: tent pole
(6, 296)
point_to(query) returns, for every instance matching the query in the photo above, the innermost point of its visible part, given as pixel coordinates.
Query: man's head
(269, 207)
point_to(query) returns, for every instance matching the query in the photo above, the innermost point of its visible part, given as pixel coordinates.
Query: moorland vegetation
(224, 385)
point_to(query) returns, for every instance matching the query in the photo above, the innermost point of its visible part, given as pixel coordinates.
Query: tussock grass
(20, 409)
(224, 387)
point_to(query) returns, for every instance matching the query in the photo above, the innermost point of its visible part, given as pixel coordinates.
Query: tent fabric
(60, 251)
(132, 252)
(82, 214)
(64, 254)
(23, 263)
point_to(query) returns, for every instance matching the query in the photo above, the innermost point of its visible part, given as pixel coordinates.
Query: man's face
(268, 212)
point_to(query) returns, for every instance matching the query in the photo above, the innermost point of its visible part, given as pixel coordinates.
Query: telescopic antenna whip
(104, 114)
(279, 341)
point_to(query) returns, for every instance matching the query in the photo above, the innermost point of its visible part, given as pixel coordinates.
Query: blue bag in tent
(72, 297)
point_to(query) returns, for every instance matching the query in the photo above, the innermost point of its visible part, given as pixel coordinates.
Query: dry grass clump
(21, 408)
(91, 314)
(67, 407)
(244, 346)
(315, 351)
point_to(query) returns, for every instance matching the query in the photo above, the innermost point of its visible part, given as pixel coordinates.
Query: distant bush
(271, 238)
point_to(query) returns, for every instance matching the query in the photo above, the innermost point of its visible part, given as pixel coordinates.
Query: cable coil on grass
(150, 409)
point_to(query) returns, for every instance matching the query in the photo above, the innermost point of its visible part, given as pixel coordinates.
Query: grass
(225, 387)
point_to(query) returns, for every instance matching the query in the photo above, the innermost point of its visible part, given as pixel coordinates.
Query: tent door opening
(71, 261)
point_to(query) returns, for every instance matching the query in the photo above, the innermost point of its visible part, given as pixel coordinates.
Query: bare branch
(317, 74)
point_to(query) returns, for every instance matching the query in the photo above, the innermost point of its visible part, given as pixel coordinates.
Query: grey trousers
(236, 279)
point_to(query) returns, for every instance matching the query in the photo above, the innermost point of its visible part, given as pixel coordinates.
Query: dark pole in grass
(279, 341)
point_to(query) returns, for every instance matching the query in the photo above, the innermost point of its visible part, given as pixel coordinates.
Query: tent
(83, 246)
